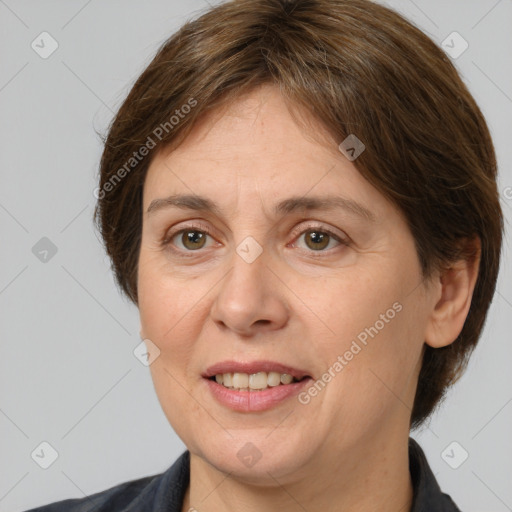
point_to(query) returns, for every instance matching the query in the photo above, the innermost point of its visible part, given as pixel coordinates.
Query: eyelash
(166, 241)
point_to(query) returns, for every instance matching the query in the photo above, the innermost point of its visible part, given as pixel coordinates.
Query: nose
(251, 298)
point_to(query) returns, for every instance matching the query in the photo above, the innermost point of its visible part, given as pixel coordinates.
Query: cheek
(376, 326)
(353, 302)
(163, 299)
(169, 311)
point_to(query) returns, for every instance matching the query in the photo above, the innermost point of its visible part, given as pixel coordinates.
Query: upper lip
(251, 367)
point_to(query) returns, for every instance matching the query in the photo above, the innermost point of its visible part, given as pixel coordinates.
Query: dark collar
(427, 494)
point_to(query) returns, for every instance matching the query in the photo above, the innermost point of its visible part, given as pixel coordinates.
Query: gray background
(68, 375)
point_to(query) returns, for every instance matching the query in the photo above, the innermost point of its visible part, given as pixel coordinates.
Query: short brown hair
(359, 68)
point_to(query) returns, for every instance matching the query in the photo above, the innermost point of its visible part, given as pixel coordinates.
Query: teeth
(240, 380)
(274, 379)
(258, 380)
(286, 379)
(253, 382)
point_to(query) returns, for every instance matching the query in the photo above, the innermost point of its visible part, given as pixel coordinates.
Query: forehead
(259, 120)
(254, 149)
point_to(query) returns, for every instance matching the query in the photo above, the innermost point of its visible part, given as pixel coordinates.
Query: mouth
(255, 376)
(255, 381)
(256, 386)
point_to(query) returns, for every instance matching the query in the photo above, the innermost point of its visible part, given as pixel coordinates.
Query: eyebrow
(286, 206)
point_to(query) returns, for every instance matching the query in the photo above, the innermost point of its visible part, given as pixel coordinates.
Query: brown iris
(193, 237)
(319, 239)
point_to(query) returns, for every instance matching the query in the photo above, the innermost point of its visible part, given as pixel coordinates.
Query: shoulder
(146, 494)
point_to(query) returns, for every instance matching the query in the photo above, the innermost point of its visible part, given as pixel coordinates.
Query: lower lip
(252, 401)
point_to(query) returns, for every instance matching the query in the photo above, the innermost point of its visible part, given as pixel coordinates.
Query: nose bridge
(249, 297)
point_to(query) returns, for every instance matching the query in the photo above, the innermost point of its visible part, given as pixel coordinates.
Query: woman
(300, 198)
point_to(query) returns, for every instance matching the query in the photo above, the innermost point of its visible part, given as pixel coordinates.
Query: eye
(188, 239)
(319, 238)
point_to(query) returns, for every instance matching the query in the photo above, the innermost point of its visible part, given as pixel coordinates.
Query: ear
(452, 291)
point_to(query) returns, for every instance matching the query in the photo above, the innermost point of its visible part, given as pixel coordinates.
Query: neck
(371, 476)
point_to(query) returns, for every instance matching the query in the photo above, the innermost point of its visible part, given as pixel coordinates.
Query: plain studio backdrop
(68, 375)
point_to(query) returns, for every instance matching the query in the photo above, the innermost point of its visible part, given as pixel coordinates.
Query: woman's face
(262, 266)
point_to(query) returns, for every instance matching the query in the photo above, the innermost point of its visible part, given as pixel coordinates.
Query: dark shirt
(165, 492)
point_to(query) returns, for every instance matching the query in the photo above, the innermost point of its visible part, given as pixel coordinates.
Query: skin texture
(347, 448)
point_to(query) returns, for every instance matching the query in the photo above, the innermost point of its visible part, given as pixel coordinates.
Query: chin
(257, 458)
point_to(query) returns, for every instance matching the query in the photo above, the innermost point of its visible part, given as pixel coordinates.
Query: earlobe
(454, 288)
